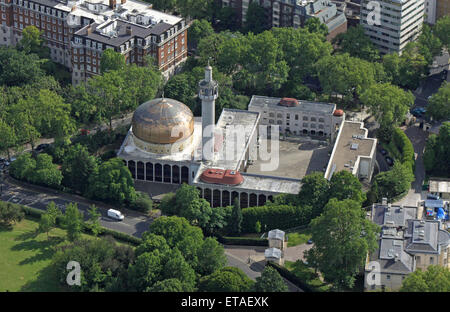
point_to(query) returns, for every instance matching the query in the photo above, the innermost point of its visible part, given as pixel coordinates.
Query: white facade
(399, 22)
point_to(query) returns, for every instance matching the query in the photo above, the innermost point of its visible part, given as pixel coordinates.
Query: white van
(115, 214)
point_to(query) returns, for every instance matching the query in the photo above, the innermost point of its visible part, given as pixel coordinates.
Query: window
(388, 277)
(431, 260)
(296, 117)
(313, 118)
(305, 118)
(418, 259)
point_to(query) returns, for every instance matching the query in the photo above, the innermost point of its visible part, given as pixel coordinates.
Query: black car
(389, 161)
(42, 147)
(383, 152)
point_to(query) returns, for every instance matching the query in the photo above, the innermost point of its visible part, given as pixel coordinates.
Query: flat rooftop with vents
(353, 151)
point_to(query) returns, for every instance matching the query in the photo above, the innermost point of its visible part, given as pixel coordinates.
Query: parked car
(433, 197)
(42, 147)
(115, 214)
(389, 161)
(309, 241)
(383, 152)
(419, 111)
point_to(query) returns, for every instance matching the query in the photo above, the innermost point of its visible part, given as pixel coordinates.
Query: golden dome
(162, 121)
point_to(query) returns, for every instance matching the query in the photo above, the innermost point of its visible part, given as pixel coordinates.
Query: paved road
(417, 137)
(134, 223)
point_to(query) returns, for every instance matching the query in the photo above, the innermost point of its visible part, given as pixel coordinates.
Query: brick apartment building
(290, 13)
(77, 32)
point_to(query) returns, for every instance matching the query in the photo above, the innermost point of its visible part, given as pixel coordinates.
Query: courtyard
(297, 157)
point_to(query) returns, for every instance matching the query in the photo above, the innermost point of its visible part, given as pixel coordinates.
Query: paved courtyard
(296, 158)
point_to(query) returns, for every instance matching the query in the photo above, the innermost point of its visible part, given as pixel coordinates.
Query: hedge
(275, 217)
(243, 241)
(291, 277)
(405, 146)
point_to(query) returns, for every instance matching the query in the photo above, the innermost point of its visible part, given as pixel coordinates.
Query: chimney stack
(129, 30)
(123, 1)
(89, 30)
(73, 8)
(112, 4)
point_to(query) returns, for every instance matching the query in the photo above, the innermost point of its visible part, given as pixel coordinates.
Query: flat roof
(306, 106)
(439, 186)
(236, 127)
(351, 143)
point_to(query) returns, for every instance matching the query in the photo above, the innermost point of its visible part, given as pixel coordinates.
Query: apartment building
(294, 13)
(298, 117)
(406, 243)
(399, 22)
(78, 31)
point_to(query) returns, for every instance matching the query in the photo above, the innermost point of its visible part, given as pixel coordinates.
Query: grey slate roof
(122, 36)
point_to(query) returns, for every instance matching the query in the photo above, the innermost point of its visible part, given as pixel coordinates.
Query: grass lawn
(298, 237)
(25, 257)
(307, 275)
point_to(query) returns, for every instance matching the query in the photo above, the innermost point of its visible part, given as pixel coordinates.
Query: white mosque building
(165, 144)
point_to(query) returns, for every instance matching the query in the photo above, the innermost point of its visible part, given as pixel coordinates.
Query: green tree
(111, 60)
(199, 29)
(175, 229)
(256, 21)
(342, 237)
(442, 30)
(437, 152)
(77, 167)
(94, 222)
(8, 138)
(394, 182)
(389, 104)
(236, 218)
(141, 83)
(428, 44)
(107, 91)
(228, 279)
(270, 281)
(142, 203)
(18, 68)
(112, 181)
(164, 5)
(356, 43)
(211, 257)
(434, 279)
(45, 172)
(314, 192)
(32, 42)
(45, 224)
(73, 222)
(408, 69)
(344, 75)
(10, 213)
(344, 185)
(167, 285)
(439, 104)
(195, 9)
(314, 25)
(23, 167)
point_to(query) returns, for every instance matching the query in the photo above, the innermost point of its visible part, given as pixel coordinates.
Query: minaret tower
(208, 92)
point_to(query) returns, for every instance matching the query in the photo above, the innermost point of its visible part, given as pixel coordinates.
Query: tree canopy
(342, 237)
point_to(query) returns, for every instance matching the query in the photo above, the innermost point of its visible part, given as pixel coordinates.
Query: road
(415, 194)
(134, 223)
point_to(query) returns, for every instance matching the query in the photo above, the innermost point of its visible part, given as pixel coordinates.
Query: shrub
(244, 241)
(142, 203)
(405, 147)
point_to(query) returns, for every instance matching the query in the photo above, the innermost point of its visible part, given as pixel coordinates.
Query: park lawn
(298, 237)
(25, 258)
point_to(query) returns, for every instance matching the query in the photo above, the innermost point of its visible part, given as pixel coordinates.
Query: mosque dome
(162, 121)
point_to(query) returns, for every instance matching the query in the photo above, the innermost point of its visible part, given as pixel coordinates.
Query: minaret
(208, 93)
